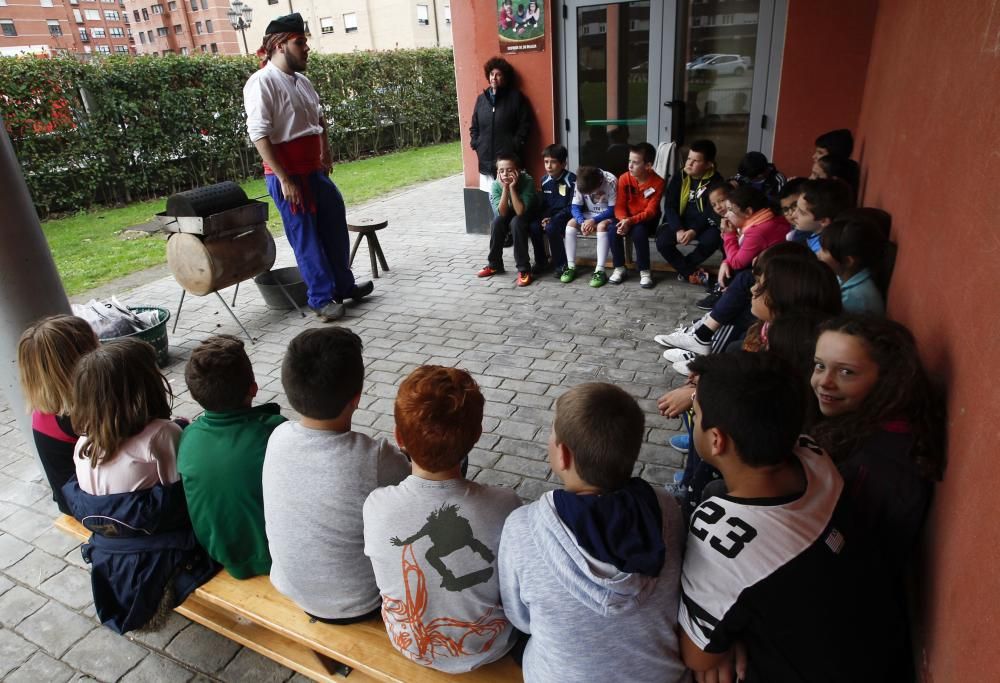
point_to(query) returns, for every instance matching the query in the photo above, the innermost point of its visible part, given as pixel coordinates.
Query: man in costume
(285, 122)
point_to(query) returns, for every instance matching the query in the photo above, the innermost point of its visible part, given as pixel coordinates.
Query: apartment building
(182, 27)
(51, 27)
(349, 25)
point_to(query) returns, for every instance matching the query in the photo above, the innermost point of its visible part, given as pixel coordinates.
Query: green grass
(88, 250)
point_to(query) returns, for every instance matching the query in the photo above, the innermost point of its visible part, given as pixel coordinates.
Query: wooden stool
(367, 227)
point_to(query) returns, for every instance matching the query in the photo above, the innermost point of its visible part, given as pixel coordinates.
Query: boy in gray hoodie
(592, 571)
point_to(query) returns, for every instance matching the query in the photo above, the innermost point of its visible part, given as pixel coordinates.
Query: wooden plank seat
(368, 228)
(253, 613)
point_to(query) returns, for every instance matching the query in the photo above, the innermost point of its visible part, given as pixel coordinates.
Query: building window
(184, 50)
(92, 14)
(122, 49)
(111, 15)
(162, 31)
(305, 28)
(157, 9)
(83, 35)
(135, 15)
(203, 48)
(97, 32)
(54, 28)
(145, 14)
(204, 5)
(104, 49)
(208, 26)
(326, 25)
(423, 17)
(149, 34)
(272, 2)
(46, 3)
(172, 6)
(8, 27)
(77, 16)
(116, 32)
(215, 48)
(197, 27)
(194, 5)
(178, 28)
(447, 14)
(142, 38)
(350, 22)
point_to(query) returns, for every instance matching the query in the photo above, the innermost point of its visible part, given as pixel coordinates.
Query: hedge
(119, 129)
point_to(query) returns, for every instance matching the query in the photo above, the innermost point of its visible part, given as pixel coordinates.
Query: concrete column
(29, 283)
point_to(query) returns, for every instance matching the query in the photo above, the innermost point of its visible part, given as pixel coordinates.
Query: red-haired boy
(433, 539)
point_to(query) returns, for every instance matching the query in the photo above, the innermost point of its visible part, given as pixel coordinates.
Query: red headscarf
(271, 43)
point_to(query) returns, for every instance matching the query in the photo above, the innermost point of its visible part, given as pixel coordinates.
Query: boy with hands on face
(513, 198)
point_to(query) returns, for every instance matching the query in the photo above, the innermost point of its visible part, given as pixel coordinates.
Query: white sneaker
(681, 367)
(686, 339)
(662, 339)
(678, 356)
(618, 276)
(645, 279)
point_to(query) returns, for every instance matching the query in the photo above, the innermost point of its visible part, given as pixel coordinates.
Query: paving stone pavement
(525, 346)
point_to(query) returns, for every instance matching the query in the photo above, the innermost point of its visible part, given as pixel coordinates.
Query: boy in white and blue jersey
(593, 209)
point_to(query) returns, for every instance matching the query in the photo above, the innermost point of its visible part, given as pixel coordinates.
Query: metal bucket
(155, 335)
(271, 283)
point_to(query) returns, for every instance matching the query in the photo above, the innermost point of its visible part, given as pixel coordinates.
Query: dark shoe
(361, 290)
(709, 301)
(557, 273)
(332, 311)
(539, 268)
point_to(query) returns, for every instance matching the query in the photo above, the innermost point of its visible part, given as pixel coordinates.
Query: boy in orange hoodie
(638, 212)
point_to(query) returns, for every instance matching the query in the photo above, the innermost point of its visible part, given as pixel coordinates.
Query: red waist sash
(299, 158)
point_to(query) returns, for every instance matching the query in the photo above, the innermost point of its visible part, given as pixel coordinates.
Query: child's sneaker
(685, 339)
(598, 279)
(681, 366)
(568, 275)
(523, 279)
(680, 443)
(678, 355)
(645, 279)
(489, 271)
(618, 276)
(699, 277)
(709, 301)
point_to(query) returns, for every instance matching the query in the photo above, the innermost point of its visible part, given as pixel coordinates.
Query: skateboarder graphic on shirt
(449, 532)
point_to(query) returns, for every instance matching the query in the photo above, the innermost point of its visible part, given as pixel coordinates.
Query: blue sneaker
(680, 443)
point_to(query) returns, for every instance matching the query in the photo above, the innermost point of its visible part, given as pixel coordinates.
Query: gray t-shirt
(433, 545)
(315, 483)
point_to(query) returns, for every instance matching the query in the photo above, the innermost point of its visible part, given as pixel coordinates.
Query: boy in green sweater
(221, 455)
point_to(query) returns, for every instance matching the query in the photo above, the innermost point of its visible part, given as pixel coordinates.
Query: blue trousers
(640, 238)
(319, 240)
(556, 232)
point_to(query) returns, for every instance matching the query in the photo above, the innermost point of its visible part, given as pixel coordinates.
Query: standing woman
(501, 120)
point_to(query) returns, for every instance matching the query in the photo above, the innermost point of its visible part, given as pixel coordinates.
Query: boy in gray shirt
(317, 474)
(592, 571)
(433, 539)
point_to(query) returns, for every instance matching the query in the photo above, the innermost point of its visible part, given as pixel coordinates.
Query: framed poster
(520, 26)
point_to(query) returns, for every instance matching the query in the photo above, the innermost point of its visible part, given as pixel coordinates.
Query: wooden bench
(253, 613)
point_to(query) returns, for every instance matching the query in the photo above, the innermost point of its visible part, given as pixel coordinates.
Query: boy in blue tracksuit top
(557, 195)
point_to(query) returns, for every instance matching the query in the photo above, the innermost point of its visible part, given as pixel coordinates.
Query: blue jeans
(319, 240)
(640, 238)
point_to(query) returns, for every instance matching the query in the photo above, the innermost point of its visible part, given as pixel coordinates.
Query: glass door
(615, 61)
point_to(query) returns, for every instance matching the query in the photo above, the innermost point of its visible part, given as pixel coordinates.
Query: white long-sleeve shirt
(281, 106)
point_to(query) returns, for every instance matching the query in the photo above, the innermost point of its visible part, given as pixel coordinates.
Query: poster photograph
(521, 26)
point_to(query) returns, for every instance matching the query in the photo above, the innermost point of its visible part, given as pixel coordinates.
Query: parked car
(724, 65)
(701, 59)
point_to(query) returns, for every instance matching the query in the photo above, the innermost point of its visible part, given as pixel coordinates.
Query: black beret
(290, 23)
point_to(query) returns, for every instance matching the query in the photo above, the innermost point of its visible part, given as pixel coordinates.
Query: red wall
(474, 28)
(822, 76)
(929, 145)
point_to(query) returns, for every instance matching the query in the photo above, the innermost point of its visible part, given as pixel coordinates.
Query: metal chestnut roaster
(219, 238)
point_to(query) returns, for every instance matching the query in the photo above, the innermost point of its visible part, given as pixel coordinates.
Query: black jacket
(142, 543)
(498, 127)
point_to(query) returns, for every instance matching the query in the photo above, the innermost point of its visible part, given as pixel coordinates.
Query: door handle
(679, 107)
